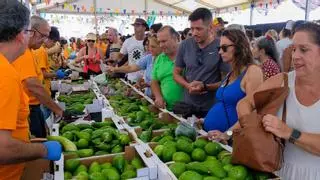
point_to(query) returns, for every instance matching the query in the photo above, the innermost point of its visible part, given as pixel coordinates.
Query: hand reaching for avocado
(160, 103)
(218, 136)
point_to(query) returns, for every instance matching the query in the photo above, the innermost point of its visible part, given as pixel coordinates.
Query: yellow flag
(70, 7)
(244, 6)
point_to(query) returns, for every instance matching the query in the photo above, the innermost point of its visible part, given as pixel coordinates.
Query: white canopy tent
(78, 17)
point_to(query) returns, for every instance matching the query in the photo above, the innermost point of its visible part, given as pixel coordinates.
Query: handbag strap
(227, 80)
(284, 110)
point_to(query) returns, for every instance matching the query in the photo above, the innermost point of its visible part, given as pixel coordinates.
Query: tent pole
(146, 6)
(251, 14)
(95, 15)
(307, 10)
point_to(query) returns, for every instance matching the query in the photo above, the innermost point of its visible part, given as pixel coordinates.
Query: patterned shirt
(270, 68)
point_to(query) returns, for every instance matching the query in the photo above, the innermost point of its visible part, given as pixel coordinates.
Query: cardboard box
(148, 172)
(56, 126)
(164, 171)
(163, 117)
(37, 169)
(155, 133)
(117, 121)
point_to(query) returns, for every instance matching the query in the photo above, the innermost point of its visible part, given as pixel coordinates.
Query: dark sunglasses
(91, 41)
(224, 47)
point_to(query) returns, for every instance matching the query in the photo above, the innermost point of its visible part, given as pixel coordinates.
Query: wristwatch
(294, 136)
(230, 140)
(229, 133)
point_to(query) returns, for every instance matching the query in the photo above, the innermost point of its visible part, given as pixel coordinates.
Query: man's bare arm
(37, 90)
(15, 151)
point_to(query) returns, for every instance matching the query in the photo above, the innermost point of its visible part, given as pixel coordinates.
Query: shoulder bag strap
(284, 111)
(224, 84)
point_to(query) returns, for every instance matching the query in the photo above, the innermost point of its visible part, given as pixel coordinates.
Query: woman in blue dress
(243, 79)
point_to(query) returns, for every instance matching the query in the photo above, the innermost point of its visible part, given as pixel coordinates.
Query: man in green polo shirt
(165, 89)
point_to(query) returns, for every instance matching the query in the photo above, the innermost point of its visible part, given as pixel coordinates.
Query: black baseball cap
(54, 34)
(219, 20)
(156, 27)
(141, 21)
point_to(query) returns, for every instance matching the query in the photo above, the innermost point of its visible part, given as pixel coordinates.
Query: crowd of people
(209, 70)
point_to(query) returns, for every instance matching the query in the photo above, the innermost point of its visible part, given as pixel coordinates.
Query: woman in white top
(302, 129)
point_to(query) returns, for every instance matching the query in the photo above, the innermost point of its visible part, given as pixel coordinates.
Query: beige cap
(104, 36)
(91, 36)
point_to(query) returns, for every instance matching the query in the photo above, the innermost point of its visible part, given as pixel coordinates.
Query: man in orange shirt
(32, 78)
(42, 56)
(102, 43)
(15, 148)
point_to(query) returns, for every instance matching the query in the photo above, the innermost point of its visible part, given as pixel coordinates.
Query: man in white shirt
(285, 40)
(134, 47)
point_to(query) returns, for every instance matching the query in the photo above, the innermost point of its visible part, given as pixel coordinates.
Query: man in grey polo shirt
(198, 66)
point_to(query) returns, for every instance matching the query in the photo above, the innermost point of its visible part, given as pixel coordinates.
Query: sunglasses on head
(91, 41)
(225, 47)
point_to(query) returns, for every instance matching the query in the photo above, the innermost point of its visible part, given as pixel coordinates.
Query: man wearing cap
(154, 28)
(134, 47)
(32, 77)
(103, 43)
(219, 25)
(15, 148)
(285, 40)
(198, 66)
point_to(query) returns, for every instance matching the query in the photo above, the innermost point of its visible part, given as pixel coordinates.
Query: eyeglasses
(225, 47)
(91, 41)
(43, 36)
(28, 31)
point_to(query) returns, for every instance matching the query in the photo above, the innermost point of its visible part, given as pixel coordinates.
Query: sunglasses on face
(225, 47)
(91, 41)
